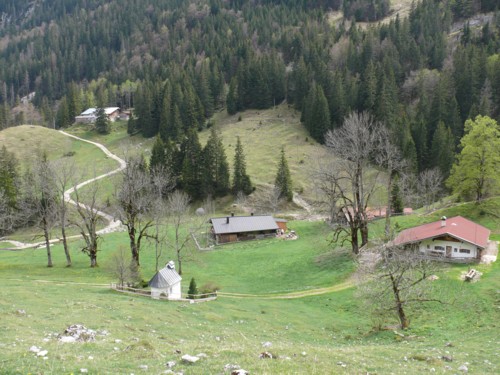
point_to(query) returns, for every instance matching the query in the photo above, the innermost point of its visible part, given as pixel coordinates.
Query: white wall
(429, 245)
(173, 293)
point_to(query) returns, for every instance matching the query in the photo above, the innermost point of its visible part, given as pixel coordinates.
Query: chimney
(232, 214)
(227, 220)
(251, 213)
(443, 221)
(171, 265)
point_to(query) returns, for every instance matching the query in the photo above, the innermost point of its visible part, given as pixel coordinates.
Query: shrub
(193, 290)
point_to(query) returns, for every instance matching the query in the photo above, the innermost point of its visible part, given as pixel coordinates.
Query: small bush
(69, 154)
(239, 118)
(209, 289)
(193, 290)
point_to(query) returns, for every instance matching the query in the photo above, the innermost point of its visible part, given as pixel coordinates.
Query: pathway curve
(113, 224)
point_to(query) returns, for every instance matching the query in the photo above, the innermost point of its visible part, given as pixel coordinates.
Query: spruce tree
(216, 171)
(192, 166)
(283, 180)
(241, 181)
(193, 289)
(442, 149)
(102, 122)
(231, 100)
(158, 158)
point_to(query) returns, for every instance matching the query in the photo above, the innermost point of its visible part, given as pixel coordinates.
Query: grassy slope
(263, 134)
(329, 328)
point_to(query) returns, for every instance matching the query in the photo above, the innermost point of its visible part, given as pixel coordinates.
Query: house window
(439, 248)
(464, 251)
(455, 250)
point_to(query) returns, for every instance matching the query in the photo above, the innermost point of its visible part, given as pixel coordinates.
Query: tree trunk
(47, 243)
(388, 209)
(363, 228)
(93, 258)
(354, 241)
(133, 245)
(65, 243)
(399, 305)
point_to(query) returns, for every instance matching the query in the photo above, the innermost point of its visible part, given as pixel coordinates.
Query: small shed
(242, 228)
(166, 281)
(282, 224)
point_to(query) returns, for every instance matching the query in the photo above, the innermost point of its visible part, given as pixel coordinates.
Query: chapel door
(448, 251)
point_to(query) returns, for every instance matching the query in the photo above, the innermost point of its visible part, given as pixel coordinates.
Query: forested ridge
(176, 62)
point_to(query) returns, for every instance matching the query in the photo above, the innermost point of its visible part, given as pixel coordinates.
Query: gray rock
(190, 358)
(230, 366)
(84, 371)
(447, 358)
(35, 349)
(267, 344)
(201, 355)
(42, 353)
(170, 364)
(463, 368)
(239, 372)
(67, 339)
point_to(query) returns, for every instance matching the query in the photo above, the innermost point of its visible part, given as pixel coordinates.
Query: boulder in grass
(240, 372)
(190, 358)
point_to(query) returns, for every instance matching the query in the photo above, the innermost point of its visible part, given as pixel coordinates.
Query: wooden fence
(147, 293)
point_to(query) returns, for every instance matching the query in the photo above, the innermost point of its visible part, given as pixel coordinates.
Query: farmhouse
(90, 115)
(242, 228)
(454, 239)
(166, 281)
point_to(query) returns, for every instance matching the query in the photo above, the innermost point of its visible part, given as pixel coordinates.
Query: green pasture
(310, 335)
(28, 141)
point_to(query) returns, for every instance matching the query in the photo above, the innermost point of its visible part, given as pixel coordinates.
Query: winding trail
(113, 224)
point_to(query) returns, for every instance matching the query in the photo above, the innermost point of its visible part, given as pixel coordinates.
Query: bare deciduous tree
(396, 280)
(87, 207)
(178, 207)
(123, 268)
(269, 199)
(135, 201)
(39, 205)
(163, 183)
(429, 186)
(64, 175)
(347, 180)
(389, 157)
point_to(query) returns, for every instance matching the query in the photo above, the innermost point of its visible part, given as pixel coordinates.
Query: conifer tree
(241, 181)
(102, 121)
(442, 149)
(231, 100)
(216, 171)
(283, 180)
(193, 289)
(192, 166)
(158, 157)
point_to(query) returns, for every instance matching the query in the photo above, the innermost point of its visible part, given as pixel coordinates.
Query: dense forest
(176, 62)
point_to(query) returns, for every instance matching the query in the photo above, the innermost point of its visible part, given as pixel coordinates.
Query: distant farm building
(166, 281)
(243, 228)
(454, 239)
(90, 115)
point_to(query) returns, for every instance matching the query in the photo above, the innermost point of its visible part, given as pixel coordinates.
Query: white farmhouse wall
(429, 245)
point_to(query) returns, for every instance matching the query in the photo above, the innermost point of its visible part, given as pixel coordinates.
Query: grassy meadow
(327, 333)
(28, 141)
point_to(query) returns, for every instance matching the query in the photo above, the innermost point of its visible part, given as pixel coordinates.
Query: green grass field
(310, 335)
(27, 141)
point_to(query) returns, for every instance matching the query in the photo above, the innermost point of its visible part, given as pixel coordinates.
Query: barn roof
(242, 224)
(166, 277)
(457, 227)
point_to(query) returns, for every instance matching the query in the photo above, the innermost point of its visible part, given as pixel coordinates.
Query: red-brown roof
(458, 227)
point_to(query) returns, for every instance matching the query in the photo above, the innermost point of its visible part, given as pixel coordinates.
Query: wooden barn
(243, 228)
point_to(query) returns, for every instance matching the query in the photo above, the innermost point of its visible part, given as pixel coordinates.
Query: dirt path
(113, 224)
